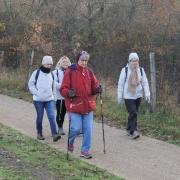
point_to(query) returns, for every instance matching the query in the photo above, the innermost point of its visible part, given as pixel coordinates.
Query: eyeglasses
(84, 60)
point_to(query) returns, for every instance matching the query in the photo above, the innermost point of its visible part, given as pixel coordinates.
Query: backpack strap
(57, 73)
(36, 77)
(90, 72)
(126, 71)
(53, 79)
(72, 67)
(141, 71)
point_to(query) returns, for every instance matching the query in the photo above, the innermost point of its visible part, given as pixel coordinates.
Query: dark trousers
(132, 106)
(61, 111)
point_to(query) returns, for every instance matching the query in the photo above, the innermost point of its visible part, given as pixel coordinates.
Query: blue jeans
(49, 107)
(84, 122)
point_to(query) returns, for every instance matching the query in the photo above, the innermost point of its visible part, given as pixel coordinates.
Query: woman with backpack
(61, 67)
(132, 81)
(78, 88)
(41, 85)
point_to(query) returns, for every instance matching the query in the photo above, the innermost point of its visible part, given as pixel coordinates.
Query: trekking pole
(67, 155)
(102, 117)
(59, 116)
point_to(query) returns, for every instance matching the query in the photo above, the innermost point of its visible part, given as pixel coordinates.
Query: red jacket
(85, 84)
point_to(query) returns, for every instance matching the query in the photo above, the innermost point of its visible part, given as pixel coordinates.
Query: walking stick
(102, 117)
(59, 116)
(67, 155)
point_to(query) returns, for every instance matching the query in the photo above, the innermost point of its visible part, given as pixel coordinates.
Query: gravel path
(142, 159)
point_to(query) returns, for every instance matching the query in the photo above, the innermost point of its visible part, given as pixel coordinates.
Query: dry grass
(10, 79)
(13, 83)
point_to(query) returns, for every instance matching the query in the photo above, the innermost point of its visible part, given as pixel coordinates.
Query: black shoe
(40, 137)
(56, 137)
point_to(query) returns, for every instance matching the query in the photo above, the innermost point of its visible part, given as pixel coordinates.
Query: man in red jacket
(79, 87)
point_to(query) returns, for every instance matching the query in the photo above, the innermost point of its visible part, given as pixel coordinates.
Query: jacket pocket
(44, 94)
(91, 103)
(76, 105)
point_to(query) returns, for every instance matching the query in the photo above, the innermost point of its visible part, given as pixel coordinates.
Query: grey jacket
(43, 90)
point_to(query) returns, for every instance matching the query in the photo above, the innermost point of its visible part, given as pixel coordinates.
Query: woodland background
(108, 29)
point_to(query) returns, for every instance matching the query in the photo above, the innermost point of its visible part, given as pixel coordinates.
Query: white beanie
(47, 60)
(133, 56)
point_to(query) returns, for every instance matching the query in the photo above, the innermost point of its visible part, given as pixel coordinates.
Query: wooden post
(1, 58)
(30, 68)
(153, 81)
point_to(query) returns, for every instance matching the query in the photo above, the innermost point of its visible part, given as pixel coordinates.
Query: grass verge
(25, 158)
(163, 124)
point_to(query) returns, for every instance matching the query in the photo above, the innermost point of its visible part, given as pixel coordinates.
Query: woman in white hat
(132, 81)
(41, 86)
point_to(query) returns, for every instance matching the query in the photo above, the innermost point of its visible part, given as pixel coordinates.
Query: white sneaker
(61, 131)
(135, 135)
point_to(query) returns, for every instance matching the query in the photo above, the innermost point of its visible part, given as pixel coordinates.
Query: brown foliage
(108, 29)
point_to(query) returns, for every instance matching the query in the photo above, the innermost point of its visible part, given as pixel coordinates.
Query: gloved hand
(148, 98)
(100, 89)
(120, 101)
(71, 93)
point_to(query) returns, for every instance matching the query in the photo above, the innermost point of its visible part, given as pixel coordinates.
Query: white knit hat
(47, 60)
(133, 56)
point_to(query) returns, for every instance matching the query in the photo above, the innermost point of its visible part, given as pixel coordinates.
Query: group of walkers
(72, 88)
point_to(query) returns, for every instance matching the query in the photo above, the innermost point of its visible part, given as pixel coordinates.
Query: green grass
(162, 124)
(42, 156)
(10, 174)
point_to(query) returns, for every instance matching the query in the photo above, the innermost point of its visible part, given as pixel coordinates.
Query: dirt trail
(142, 159)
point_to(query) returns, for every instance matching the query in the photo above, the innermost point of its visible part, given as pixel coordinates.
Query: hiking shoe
(61, 131)
(40, 137)
(86, 155)
(135, 135)
(56, 137)
(71, 148)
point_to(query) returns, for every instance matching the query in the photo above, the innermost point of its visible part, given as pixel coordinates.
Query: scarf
(133, 81)
(45, 70)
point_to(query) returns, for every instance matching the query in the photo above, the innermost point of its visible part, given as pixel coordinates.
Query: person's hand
(71, 93)
(100, 89)
(148, 98)
(119, 102)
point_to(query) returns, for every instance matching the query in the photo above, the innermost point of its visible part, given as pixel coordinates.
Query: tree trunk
(29, 69)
